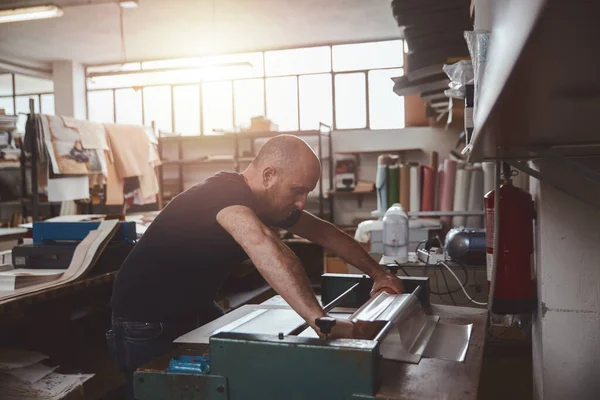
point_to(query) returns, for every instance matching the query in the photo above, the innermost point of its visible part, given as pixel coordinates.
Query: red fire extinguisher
(515, 290)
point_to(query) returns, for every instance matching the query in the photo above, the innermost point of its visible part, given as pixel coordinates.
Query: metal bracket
(588, 173)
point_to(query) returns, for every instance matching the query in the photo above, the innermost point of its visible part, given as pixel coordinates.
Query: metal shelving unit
(323, 133)
(541, 101)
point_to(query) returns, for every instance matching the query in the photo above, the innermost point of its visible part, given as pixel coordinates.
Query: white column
(69, 89)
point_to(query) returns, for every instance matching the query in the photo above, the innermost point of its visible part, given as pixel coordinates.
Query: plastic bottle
(395, 235)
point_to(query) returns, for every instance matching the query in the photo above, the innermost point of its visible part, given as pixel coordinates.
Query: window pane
(6, 104)
(47, 104)
(249, 100)
(386, 108)
(23, 107)
(217, 107)
(6, 88)
(157, 107)
(282, 102)
(298, 61)
(187, 109)
(129, 106)
(315, 101)
(29, 85)
(350, 101)
(373, 55)
(101, 106)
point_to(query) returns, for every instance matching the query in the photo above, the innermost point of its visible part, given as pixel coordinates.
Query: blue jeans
(135, 343)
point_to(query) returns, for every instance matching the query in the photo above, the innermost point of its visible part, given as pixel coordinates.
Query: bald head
(285, 151)
(282, 175)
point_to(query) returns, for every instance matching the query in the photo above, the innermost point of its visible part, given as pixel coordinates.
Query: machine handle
(325, 324)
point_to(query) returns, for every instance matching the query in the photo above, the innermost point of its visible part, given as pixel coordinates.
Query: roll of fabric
(415, 188)
(475, 202)
(428, 193)
(439, 188)
(447, 194)
(405, 187)
(433, 160)
(381, 183)
(393, 183)
(461, 195)
(489, 175)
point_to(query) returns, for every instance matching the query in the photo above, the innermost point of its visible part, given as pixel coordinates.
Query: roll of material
(433, 160)
(415, 188)
(381, 186)
(405, 187)
(461, 195)
(447, 193)
(393, 184)
(489, 177)
(439, 188)
(475, 202)
(428, 193)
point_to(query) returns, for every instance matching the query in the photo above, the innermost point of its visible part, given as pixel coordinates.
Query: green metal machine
(252, 367)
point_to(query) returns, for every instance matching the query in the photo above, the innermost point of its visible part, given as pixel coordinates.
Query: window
(30, 85)
(350, 101)
(186, 101)
(22, 103)
(157, 107)
(386, 109)
(47, 104)
(282, 102)
(346, 86)
(249, 101)
(6, 86)
(217, 104)
(298, 61)
(101, 107)
(128, 106)
(6, 104)
(361, 56)
(315, 101)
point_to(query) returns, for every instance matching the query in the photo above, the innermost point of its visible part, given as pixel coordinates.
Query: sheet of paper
(18, 358)
(76, 218)
(73, 188)
(449, 342)
(31, 373)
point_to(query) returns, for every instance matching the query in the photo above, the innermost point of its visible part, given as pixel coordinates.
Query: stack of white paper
(22, 376)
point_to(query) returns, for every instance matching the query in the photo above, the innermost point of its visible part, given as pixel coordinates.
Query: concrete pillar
(566, 332)
(69, 89)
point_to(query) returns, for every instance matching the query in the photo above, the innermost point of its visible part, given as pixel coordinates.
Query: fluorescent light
(29, 13)
(129, 3)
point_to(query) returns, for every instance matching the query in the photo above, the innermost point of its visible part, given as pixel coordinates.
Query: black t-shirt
(181, 261)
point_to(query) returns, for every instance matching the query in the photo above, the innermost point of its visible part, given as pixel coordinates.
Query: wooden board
(439, 379)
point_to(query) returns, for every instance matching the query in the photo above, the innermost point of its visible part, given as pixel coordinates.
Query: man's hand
(387, 282)
(345, 328)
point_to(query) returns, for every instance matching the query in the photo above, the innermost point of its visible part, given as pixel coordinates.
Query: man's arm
(278, 265)
(333, 239)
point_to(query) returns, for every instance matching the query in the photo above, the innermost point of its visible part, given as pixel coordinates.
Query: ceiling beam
(14, 68)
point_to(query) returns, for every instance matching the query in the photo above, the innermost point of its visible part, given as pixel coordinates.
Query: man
(167, 285)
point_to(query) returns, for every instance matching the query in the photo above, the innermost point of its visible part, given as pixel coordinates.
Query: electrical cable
(447, 286)
(465, 283)
(461, 286)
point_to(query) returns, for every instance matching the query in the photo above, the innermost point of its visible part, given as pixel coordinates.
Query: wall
(566, 334)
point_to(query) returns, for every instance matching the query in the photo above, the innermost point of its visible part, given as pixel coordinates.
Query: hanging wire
(123, 49)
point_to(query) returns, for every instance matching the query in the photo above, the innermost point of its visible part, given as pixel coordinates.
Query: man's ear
(268, 176)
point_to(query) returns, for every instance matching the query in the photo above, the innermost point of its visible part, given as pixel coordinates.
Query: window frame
(264, 78)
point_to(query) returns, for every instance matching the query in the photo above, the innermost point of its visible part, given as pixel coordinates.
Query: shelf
(240, 135)
(353, 193)
(542, 86)
(382, 151)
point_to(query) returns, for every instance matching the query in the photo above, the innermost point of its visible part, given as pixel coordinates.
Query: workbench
(433, 378)
(429, 379)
